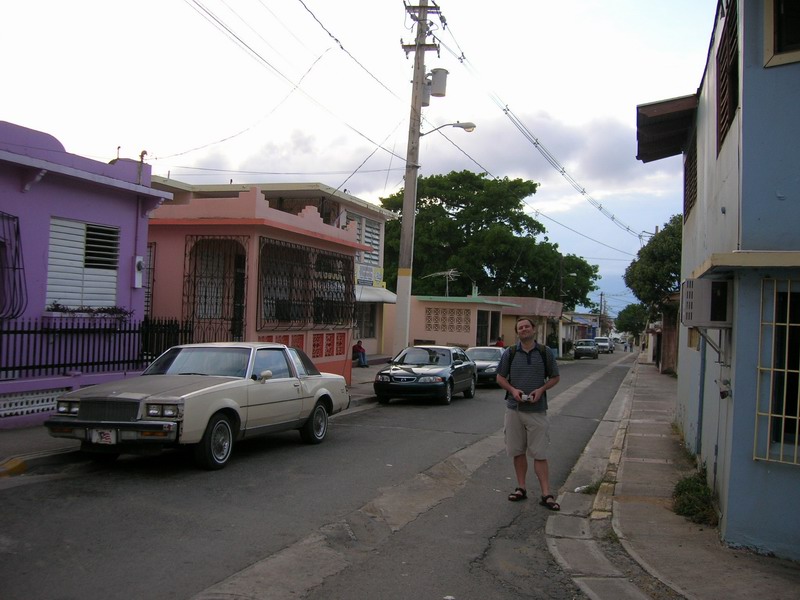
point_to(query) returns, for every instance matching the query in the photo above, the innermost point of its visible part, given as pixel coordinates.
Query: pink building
(299, 264)
(474, 320)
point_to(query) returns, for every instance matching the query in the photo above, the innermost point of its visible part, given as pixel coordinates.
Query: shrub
(693, 499)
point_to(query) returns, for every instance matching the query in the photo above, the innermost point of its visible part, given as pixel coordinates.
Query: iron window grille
(778, 386)
(303, 287)
(13, 293)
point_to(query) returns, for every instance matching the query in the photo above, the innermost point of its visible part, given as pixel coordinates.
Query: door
(277, 399)
(462, 372)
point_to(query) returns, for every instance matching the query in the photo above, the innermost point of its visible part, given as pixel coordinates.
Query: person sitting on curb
(360, 354)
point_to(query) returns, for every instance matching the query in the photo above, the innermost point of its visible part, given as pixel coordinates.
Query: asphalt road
(400, 501)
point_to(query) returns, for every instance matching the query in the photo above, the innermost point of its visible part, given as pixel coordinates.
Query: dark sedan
(427, 372)
(486, 359)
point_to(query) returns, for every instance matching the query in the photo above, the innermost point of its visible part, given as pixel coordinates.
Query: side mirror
(264, 375)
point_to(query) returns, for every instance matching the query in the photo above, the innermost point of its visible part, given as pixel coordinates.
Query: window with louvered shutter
(82, 264)
(727, 74)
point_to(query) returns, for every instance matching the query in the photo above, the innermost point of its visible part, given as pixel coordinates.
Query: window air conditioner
(706, 303)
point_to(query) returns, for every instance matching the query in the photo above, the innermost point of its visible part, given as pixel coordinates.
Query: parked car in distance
(584, 349)
(427, 372)
(603, 345)
(486, 359)
(205, 396)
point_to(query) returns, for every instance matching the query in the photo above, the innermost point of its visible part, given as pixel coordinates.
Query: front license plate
(104, 436)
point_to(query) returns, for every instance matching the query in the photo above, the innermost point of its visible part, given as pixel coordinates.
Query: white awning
(365, 293)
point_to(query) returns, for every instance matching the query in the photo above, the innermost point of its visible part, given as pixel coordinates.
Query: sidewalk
(639, 458)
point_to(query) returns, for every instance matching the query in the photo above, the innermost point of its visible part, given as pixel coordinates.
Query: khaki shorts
(527, 433)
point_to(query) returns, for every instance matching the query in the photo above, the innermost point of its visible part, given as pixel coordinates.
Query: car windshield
(424, 356)
(226, 362)
(485, 353)
(584, 343)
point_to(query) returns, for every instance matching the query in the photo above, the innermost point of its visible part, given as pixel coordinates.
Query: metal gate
(215, 287)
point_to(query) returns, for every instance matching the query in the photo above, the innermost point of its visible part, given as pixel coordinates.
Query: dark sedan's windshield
(226, 362)
(424, 356)
(485, 353)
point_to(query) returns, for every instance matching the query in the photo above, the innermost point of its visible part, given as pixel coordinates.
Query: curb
(13, 466)
(19, 465)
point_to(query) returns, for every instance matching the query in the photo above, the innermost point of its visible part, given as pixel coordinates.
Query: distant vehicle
(204, 396)
(585, 349)
(427, 372)
(604, 345)
(486, 358)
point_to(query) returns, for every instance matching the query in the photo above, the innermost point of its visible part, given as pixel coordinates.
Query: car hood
(147, 386)
(487, 363)
(414, 369)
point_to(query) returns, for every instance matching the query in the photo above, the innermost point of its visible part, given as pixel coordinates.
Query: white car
(203, 395)
(604, 345)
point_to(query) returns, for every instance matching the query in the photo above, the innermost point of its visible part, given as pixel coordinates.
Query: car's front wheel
(470, 391)
(315, 428)
(214, 450)
(448, 393)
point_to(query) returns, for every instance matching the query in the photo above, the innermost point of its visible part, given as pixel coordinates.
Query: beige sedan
(206, 396)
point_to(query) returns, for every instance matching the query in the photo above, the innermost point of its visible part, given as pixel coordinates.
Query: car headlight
(431, 379)
(162, 410)
(66, 407)
(382, 378)
(491, 369)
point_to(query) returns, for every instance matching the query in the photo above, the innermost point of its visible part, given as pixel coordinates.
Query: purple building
(73, 235)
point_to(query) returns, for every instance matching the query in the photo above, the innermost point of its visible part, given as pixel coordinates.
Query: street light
(468, 127)
(406, 259)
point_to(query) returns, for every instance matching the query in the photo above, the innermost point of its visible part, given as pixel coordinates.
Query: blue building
(739, 342)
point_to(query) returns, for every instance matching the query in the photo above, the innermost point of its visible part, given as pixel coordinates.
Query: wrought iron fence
(59, 345)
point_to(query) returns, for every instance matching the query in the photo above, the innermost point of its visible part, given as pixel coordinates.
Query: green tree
(632, 319)
(477, 227)
(656, 272)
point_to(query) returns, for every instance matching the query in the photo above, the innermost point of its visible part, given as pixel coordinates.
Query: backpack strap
(542, 351)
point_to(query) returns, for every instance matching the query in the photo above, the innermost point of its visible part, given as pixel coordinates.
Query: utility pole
(406, 258)
(602, 314)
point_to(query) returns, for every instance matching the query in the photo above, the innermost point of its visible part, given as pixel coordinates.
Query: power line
(536, 142)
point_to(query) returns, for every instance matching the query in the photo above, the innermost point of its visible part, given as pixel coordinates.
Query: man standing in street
(526, 371)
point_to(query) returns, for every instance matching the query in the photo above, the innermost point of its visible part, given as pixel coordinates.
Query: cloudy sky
(315, 90)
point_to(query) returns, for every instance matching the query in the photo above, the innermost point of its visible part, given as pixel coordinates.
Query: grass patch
(693, 499)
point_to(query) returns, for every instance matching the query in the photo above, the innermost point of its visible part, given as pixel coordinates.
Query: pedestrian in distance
(360, 354)
(500, 343)
(526, 371)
